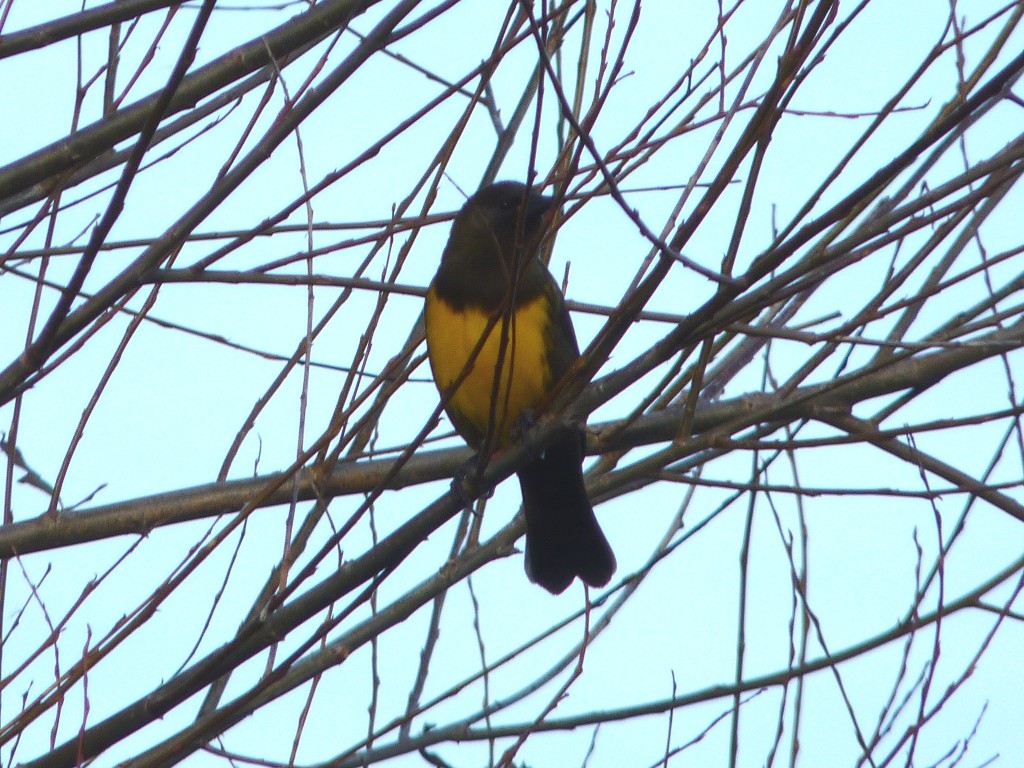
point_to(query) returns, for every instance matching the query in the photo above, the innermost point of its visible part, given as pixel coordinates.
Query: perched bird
(490, 275)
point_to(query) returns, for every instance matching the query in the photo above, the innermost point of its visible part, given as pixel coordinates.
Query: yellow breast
(525, 378)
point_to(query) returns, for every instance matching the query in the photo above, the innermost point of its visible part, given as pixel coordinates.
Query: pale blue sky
(176, 401)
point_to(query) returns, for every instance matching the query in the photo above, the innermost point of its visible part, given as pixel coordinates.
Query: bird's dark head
(500, 220)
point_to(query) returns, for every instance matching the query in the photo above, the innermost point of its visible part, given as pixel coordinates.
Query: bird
(491, 283)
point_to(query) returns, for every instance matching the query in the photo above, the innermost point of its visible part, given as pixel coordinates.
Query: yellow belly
(525, 379)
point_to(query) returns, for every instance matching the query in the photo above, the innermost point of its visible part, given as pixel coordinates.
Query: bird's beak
(540, 205)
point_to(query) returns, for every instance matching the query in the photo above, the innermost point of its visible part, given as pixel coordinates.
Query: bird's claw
(468, 485)
(521, 430)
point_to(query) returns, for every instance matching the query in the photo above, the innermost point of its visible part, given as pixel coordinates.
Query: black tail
(563, 539)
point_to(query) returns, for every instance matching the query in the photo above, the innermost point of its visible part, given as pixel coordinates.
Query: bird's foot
(521, 431)
(468, 485)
